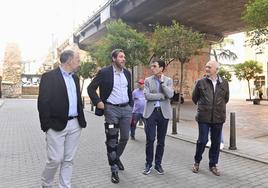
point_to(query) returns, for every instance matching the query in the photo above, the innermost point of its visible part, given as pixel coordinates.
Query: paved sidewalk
(22, 158)
(1, 102)
(251, 128)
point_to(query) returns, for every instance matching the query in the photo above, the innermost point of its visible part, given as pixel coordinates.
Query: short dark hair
(161, 63)
(66, 55)
(115, 53)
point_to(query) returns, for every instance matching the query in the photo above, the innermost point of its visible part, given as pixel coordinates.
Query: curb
(232, 152)
(1, 103)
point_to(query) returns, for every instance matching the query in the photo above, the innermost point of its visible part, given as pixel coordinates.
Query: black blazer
(104, 80)
(53, 102)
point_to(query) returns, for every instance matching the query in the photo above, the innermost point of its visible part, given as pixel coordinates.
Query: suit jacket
(104, 80)
(152, 95)
(53, 102)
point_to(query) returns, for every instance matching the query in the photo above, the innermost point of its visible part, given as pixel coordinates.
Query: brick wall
(34, 90)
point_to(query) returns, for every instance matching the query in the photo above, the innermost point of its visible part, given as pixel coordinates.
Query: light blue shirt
(139, 101)
(71, 91)
(119, 94)
(157, 81)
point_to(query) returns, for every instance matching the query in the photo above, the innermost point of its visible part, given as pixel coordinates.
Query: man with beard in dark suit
(115, 102)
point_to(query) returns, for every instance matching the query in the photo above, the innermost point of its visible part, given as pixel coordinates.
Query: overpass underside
(216, 18)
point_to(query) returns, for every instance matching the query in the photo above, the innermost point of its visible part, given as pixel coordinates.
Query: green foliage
(176, 42)
(256, 18)
(120, 35)
(225, 74)
(220, 52)
(256, 14)
(99, 51)
(87, 69)
(247, 70)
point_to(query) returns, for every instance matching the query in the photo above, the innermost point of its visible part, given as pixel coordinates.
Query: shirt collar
(65, 73)
(156, 78)
(116, 71)
(219, 79)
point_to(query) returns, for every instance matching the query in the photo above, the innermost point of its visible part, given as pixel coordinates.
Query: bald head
(212, 68)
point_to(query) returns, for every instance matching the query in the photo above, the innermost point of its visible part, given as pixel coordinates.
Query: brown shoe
(215, 171)
(195, 168)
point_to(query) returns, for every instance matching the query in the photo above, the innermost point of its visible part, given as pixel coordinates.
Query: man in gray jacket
(211, 94)
(158, 90)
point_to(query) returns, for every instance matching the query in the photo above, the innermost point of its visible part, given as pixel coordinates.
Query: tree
(12, 68)
(87, 69)
(176, 42)
(219, 51)
(120, 35)
(247, 71)
(256, 17)
(12, 64)
(225, 74)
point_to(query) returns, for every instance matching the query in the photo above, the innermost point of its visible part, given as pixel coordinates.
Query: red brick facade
(193, 70)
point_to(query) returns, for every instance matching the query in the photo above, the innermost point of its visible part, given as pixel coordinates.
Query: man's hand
(162, 78)
(100, 105)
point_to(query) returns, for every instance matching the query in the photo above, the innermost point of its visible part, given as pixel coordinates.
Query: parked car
(26, 84)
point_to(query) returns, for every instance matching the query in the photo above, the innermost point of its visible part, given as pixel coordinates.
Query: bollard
(232, 132)
(174, 122)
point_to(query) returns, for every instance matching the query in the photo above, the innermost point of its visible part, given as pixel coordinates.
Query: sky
(35, 24)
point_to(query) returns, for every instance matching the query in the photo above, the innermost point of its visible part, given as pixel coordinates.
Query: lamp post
(266, 80)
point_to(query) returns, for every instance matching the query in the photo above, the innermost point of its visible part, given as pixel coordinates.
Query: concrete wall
(10, 89)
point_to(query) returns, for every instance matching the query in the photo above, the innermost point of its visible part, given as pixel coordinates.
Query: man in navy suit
(62, 118)
(115, 100)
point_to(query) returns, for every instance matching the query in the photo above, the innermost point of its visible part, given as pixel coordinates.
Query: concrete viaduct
(215, 18)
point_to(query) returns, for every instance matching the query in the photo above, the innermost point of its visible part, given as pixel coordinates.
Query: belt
(118, 105)
(158, 109)
(72, 117)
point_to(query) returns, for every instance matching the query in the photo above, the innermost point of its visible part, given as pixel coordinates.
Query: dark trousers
(215, 137)
(135, 118)
(156, 123)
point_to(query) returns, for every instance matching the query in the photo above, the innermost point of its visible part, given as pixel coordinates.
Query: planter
(256, 101)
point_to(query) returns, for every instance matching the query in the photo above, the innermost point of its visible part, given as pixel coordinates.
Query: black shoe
(115, 177)
(132, 137)
(120, 165)
(159, 169)
(147, 169)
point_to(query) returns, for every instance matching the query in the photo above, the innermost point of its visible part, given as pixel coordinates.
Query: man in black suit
(115, 100)
(62, 117)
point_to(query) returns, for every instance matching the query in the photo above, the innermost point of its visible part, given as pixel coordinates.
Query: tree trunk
(179, 103)
(132, 78)
(82, 85)
(249, 91)
(215, 55)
